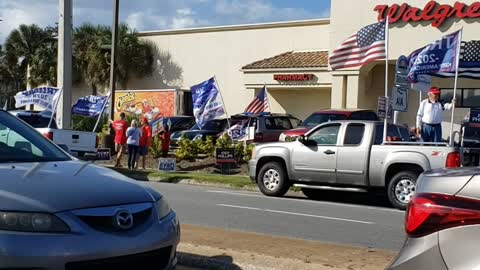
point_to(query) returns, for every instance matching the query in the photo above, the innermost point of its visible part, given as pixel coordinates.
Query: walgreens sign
(432, 12)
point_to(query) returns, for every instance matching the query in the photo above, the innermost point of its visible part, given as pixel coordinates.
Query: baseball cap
(434, 90)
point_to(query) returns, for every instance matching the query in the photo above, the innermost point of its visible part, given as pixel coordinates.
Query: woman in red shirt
(165, 137)
(145, 140)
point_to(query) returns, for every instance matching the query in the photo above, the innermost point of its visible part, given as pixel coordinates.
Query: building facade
(291, 58)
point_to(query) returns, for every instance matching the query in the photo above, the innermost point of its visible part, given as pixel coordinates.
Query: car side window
(370, 116)
(326, 135)
(295, 122)
(281, 123)
(354, 134)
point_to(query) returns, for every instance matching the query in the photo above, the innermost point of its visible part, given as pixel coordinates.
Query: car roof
(341, 111)
(363, 122)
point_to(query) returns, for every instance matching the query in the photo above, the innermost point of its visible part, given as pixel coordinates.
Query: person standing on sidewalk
(429, 116)
(145, 141)
(165, 137)
(120, 128)
(133, 140)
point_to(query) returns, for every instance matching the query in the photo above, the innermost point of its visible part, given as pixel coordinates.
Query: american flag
(259, 103)
(469, 65)
(365, 46)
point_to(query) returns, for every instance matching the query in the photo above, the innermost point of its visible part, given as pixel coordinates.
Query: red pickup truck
(325, 116)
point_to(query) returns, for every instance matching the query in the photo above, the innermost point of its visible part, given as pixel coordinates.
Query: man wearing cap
(429, 116)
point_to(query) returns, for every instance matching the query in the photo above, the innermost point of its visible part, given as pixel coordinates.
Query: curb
(191, 260)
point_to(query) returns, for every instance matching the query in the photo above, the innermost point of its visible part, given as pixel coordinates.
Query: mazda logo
(123, 220)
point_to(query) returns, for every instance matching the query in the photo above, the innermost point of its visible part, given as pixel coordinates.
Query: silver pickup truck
(347, 155)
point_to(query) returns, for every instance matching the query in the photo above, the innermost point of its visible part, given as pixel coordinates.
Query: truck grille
(157, 259)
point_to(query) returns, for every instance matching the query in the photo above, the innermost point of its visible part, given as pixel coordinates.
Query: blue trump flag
(437, 57)
(90, 106)
(207, 103)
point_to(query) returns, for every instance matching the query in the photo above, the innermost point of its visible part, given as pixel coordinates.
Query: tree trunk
(94, 89)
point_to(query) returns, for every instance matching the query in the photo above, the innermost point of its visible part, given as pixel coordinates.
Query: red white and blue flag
(365, 46)
(259, 103)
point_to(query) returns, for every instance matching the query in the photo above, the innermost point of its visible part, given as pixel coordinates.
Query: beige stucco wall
(404, 38)
(299, 102)
(223, 51)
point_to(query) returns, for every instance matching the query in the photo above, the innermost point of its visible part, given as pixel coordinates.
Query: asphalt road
(350, 219)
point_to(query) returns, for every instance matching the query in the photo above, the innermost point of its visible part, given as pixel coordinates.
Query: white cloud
(185, 12)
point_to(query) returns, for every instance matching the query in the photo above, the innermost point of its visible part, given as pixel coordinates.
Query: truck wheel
(402, 188)
(272, 180)
(313, 194)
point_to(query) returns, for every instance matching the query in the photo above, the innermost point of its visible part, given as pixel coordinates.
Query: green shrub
(188, 149)
(155, 149)
(207, 147)
(224, 142)
(247, 152)
(83, 123)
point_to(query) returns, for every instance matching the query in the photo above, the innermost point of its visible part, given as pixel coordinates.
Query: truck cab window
(354, 134)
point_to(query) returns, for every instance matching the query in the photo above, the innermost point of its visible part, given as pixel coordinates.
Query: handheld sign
(167, 164)
(103, 154)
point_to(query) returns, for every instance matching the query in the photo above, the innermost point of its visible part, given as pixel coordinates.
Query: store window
(465, 98)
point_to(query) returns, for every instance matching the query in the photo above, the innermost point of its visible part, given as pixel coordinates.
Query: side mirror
(302, 139)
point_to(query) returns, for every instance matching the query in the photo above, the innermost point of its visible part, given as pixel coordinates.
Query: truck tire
(401, 189)
(272, 180)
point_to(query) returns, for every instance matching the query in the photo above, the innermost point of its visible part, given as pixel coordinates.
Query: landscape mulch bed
(201, 164)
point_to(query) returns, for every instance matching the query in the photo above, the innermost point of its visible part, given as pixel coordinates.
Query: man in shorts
(145, 141)
(120, 128)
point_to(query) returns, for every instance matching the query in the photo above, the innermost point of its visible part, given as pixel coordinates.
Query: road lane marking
(295, 214)
(306, 201)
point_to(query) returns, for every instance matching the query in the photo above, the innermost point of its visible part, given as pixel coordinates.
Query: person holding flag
(429, 116)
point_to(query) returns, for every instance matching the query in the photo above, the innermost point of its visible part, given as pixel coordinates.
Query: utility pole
(64, 67)
(113, 62)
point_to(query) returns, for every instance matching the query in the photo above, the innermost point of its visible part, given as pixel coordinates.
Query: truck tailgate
(77, 141)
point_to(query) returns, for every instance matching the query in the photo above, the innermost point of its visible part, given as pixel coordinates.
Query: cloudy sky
(161, 14)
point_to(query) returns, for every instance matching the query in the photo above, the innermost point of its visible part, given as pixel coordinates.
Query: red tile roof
(307, 59)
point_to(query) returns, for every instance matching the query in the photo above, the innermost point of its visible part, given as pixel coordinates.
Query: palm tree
(22, 44)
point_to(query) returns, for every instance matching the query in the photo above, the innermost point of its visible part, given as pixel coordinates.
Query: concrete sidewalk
(211, 248)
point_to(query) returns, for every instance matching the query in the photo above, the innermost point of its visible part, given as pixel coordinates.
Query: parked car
(267, 127)
(176, 123)
(442, 222)
(211, 128)
(348, 154)
(61, 213)
(79, 143)
(323, 116)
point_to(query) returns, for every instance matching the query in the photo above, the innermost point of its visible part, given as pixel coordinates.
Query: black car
(211, 128)
(176, 123)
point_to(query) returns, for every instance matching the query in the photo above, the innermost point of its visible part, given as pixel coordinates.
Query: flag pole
(5, 107)
(457, 64)
(223, 102)
(101, 112)
(54, 109)
(387, 101)
(268, 98)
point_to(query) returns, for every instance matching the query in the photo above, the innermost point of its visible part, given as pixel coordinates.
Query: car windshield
(20, 143)
(320, 118)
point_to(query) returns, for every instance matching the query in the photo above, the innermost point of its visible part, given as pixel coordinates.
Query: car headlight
(32, 222)
(163, 209)
(198, 137)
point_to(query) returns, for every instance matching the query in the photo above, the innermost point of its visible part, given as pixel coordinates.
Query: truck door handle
(329, 152)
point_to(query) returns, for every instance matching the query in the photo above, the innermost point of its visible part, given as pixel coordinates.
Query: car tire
(272, 180)
(314, 194)
(401, 189)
